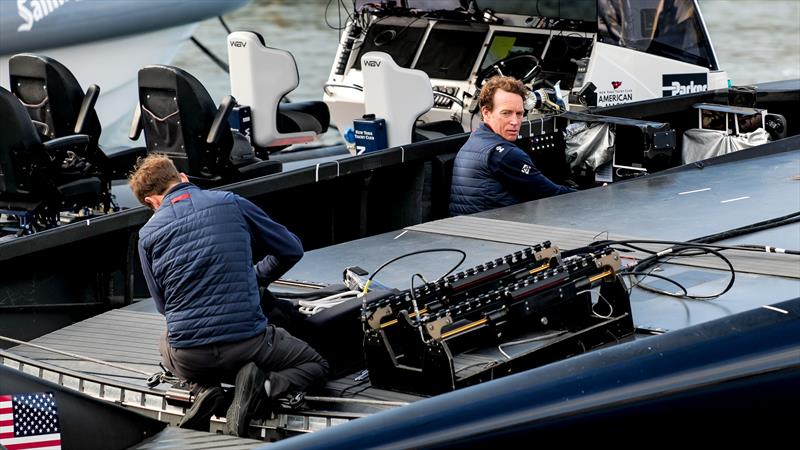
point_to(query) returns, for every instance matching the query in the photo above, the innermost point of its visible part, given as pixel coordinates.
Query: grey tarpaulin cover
(700, 144)
(589, 144)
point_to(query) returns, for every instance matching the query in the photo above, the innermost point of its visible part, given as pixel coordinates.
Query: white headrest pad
(260, 77)
(396, 94)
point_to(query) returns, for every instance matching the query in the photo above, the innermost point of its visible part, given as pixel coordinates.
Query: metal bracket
(378, 315)
(434, 328)
(546, 254)
(610, 261)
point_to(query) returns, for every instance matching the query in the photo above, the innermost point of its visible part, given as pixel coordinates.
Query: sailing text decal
(32, 11)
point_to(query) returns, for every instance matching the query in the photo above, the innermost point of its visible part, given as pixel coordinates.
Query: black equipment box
(503, 317)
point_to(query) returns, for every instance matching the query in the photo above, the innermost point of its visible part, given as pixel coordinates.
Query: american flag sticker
(29, 421)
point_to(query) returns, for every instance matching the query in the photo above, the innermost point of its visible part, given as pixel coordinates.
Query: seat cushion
(303, 116)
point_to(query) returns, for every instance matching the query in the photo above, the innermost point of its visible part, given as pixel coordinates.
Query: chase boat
(545, 325)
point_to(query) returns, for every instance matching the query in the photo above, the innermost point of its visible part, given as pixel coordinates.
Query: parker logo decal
(35, 10)
(616, 84)
(683, 83)
(526, 169)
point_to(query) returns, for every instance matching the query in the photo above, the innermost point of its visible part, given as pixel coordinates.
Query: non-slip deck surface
(172, 438)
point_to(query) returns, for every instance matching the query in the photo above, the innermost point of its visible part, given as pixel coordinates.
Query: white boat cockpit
(586, 52)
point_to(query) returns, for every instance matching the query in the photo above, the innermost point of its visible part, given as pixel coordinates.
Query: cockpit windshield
(669, 28)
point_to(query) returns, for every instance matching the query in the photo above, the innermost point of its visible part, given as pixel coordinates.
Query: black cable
(339, 4)
(680, 251)
(360, 383)
(418, 252)
(224, 25)
(743, 247)
(658, 291)
(747, 229)
(219, 62)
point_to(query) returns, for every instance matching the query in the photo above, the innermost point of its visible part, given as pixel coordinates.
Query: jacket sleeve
(514, 168)
(283, 249)
(152, 284)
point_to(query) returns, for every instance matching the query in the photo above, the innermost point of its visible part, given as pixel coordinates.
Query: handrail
(349, 86)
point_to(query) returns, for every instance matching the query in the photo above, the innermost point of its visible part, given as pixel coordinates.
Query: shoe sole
(238, 417)
(202, 409)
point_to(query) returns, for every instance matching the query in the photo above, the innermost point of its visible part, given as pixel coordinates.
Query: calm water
(755, 41)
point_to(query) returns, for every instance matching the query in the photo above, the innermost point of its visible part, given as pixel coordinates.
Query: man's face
(506, 116)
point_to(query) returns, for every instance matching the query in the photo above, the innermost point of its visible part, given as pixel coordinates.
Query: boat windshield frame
(673, 29)
(670, 28)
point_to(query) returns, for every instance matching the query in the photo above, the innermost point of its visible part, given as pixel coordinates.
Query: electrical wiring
(414, 302)
(418, 252)
(525, 341)
(605, 300)
(364, 292)
(339, 4)
(697, 247)
(675, 252)
(311, 307)
(651, 289)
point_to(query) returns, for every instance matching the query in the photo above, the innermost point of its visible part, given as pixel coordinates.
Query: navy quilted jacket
(490, 172)
(197, 257)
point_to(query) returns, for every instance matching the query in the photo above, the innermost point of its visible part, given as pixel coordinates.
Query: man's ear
(183, 177)
(151, 202)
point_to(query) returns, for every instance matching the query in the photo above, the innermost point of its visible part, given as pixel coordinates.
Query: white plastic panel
(396, 94)
(260, 78)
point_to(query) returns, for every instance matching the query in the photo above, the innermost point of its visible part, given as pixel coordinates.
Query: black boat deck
(173, 438)
(679, 205)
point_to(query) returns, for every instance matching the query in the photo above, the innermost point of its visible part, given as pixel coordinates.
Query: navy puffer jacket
(197, 258)
(490, 172)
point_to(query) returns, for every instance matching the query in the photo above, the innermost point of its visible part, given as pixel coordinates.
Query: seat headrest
(396, 94)
(20, 146)
(51, 94)
(18, 130)
(178, 111)
(260, 77)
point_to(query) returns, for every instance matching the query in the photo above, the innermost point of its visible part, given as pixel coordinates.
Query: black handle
(221, 119)
(87, 106)
(136, 123)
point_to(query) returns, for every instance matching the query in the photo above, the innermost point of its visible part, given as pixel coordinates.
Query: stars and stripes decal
(29, 421)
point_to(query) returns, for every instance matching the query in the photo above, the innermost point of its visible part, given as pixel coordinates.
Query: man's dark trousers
(291, 364)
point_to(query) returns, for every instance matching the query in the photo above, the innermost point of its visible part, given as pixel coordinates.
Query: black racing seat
(59, 107)
(52, 96)
(260, 78)
(34, 185)
(178, 115)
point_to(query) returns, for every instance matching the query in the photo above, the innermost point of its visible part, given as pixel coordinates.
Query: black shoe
(249, 395)
(205, 404)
